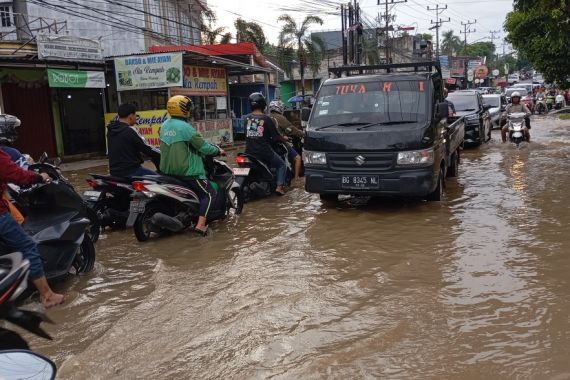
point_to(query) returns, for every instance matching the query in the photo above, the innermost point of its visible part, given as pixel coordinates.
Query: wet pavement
(473, 287)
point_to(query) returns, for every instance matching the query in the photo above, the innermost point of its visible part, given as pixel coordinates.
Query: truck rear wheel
(453, 170)
(437, 194)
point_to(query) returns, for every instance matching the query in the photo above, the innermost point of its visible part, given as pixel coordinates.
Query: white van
(513, 78)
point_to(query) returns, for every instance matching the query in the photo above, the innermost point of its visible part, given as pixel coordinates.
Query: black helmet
(257, 100)
(8, 129)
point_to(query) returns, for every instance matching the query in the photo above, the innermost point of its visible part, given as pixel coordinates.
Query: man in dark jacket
(12, 234)
(125, 145)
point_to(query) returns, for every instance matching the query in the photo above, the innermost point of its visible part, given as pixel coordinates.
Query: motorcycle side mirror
(305, 114)
(43, 158)
(22, 364)
(57, 162)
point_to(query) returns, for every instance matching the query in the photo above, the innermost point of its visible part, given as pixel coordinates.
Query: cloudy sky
(490, 14)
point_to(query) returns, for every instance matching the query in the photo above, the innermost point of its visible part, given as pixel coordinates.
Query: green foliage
(565, 116)
(295, 40)
(450, 43)
(540, 31)
(481, 49)
(247, 31)
(209, 32)
(427, 36)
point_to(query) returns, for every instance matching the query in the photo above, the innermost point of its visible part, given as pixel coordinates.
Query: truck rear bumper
(403, 183)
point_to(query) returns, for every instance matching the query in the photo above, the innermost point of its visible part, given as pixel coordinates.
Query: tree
(226, 38)
(250, 32)
(310, 50)
(209, 32)
(540, 31)
(427, 36)
(481, 49)
(450, 43)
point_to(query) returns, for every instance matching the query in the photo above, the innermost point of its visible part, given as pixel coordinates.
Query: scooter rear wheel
(143, 225)
(85, 259)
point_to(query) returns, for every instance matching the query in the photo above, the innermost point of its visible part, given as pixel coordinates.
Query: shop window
(209, 108)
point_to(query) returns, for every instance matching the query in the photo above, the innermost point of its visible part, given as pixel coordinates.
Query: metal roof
(34, 62)
(232, 67)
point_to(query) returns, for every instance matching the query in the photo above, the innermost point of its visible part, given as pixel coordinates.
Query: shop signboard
(69, 48)
(140, 72)
(76, 79)
(445, 72)
(203, 81)
(149, 122)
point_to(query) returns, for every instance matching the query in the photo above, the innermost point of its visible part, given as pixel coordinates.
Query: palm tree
(209, 32)
(250, 32)
(310, 49)
(450, 43)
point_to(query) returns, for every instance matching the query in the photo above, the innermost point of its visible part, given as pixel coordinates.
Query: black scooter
(109, 199)
(163, 204)
(256, 178)
(15, 359)
(59, 221)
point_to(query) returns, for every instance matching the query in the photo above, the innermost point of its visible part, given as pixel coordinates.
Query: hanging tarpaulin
(76, 79)
(141, 72)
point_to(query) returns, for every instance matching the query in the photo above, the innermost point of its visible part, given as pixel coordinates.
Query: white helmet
(277, 106)
(516, 94)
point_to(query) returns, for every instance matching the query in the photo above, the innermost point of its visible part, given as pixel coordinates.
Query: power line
(388, 17)
(467, 30)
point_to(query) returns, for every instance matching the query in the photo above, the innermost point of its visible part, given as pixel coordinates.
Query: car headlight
(314, 158)
(416, 157)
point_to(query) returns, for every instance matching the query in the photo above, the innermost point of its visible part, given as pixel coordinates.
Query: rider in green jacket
(182, 149)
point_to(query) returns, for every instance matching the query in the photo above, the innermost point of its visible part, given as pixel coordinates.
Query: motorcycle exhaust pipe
(169, 223)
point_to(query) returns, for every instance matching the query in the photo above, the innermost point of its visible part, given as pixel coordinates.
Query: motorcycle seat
(111, 178)
(159, 178)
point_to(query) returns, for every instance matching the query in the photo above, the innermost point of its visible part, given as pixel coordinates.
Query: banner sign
(445, 72)
(204, 81)
(149, 122)
(76, 79)
(444, 60)
(69, 48)
(139, 72)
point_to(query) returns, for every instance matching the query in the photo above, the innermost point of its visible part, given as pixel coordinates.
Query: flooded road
(473, 287)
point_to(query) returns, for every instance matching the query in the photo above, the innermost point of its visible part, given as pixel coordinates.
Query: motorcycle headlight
(314, 158)
(416, 158)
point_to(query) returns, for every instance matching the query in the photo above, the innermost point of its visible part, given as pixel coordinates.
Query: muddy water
(473, 287)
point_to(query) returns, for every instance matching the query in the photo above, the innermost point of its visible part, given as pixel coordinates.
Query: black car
(478, 124)
(382, 130)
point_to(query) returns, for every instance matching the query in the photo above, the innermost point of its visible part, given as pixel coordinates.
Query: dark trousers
(14, 236)
(205, 193)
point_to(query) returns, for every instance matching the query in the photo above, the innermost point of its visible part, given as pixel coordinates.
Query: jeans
(291, 153)
(280, 167)
(14, 236)
(142, 171)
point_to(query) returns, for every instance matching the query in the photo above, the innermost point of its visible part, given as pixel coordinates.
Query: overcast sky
(490, 14)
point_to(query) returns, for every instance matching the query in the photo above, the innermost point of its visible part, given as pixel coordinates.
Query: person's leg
(504, 133)
(281, 172)
(207, 196)
(527, 129)
(17, 239)
(296, 160)
(141, 171)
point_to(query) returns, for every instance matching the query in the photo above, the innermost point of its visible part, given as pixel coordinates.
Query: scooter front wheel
(85, 258)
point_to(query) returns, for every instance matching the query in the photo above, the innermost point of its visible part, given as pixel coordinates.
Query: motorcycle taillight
(241, 160)
(139, 186)
(92, 183)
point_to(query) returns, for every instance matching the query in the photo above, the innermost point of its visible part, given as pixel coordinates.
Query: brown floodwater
(476, 286)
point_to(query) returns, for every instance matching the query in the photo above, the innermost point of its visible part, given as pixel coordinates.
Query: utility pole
(20, 8)
(493, 38)
(437, 24)
(343, 16)
(388, 17)
(467, 30)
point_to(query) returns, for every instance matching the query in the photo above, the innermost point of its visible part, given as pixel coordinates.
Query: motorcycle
(516, 124)
(58, 219)
(541, 106)
(256, 178)
(16, 361)
(165, 204)
(109, 198)
(550, 100)
(528, 101)
(559, 102)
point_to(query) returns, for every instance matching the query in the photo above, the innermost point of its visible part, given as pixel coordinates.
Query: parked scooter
(559, 102)
(109, 199)
(516, 123)
(58, 220)
(256, 178)
(164, 204)
(15, 359)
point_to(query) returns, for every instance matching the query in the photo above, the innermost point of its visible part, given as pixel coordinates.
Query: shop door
(32, 105)
(83, 121)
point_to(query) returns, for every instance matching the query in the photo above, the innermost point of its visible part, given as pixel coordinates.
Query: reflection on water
(474, 287)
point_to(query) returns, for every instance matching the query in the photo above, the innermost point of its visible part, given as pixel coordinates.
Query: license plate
(241, 171)
(362, 182)
(92, 194)
(137, 206)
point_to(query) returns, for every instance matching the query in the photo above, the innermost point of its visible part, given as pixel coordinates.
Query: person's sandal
(200, 232)
(280, 193)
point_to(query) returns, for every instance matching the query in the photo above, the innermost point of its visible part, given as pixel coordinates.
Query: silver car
(498, 104)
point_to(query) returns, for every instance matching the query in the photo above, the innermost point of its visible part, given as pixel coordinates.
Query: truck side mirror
(442, 110)
(305, 113)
